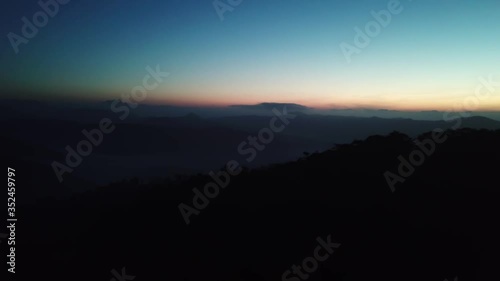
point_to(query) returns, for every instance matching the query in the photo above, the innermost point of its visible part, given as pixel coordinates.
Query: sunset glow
(259, 55)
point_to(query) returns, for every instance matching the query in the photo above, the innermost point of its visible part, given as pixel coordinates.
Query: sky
(429, 56)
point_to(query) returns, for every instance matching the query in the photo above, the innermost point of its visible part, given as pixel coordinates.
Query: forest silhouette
(440, 223)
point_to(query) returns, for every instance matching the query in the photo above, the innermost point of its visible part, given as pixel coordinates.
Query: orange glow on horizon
(458, 105)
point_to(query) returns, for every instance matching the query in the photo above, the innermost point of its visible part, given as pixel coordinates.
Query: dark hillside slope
(440, 223)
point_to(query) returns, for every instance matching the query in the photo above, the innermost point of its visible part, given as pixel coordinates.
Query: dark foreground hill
(441, 222)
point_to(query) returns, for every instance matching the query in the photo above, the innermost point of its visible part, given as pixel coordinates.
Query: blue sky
(429, 57)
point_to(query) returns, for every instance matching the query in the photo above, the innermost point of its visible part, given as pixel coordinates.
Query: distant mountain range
(155, 147)
(93, 110)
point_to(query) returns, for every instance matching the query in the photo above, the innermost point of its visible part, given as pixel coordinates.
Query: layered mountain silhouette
(192, 143)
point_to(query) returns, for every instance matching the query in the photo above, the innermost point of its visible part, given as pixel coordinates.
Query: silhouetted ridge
(438, 222)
